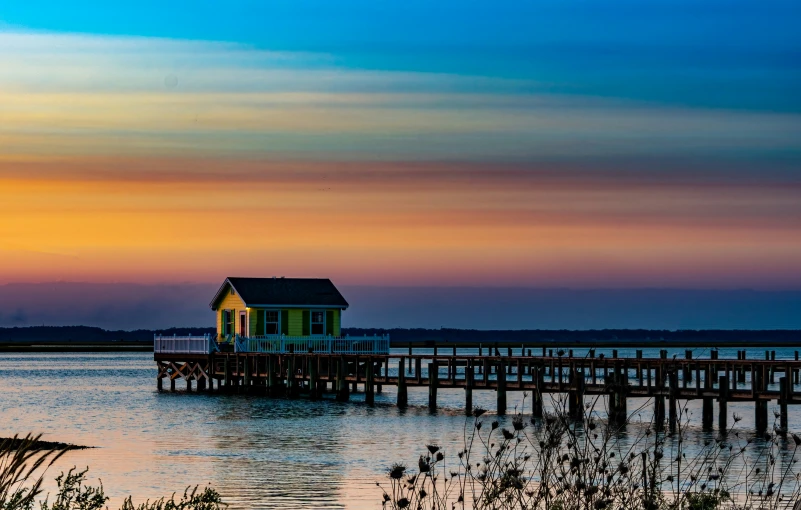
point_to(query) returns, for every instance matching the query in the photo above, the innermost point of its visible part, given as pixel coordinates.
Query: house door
(243, 323)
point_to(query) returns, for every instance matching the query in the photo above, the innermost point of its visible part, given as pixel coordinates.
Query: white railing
(204, 344)
(280, 344)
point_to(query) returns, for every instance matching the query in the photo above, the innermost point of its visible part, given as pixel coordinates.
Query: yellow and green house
(272, 307)
(276, 315)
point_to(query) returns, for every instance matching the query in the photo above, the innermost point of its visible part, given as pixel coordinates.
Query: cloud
(84, 94)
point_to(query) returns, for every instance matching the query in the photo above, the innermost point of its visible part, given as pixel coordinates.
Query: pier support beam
(468, 388)
(707, 406)
(246, 362)
(402, 394)
(271, 382)
(575, 403)
(536, 395)
(172, 385)
(433, 376)
(659, 400)
(369, 387)
(760, 406)
(313, 383)
(343, 395)
(784, 383)
(501, 388)
(673, 390)
(159, 384)
(723, 396)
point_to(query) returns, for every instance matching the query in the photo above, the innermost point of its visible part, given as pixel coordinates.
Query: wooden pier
(664, 380)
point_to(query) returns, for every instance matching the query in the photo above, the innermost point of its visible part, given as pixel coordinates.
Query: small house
(291, 307)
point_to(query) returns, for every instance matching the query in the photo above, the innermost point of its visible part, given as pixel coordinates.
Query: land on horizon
(85, 338)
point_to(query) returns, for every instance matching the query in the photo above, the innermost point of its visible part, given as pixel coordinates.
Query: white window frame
(229, 313)
(277, 323)
(312, 323)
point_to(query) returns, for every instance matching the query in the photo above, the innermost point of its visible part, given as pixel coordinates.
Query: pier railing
(197, 344)
(281, 344)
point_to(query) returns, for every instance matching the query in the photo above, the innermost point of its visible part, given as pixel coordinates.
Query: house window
(318, 323)
(227, 322)
(271, 322)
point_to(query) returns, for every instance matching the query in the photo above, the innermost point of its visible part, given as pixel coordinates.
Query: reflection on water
(258, 452)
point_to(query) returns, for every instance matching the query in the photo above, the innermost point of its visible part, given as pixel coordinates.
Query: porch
(274, 344)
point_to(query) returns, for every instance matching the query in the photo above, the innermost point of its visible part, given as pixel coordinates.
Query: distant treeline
(586, 337)
(87, 334)
(399, 337)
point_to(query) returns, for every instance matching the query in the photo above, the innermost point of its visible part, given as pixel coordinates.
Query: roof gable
(289, 292)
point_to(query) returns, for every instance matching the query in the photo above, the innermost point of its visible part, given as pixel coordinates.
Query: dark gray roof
(286, 291)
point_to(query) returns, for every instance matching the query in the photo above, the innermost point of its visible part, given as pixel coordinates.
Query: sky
(543, 145)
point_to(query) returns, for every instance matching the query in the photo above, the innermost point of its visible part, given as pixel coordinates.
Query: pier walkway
(665, 380)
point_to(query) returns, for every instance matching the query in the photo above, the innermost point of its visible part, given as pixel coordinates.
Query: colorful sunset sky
(566, 144)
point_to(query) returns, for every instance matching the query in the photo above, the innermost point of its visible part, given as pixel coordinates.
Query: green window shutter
(329, 322)
(284, 322)
(306, 322)
(259, 321)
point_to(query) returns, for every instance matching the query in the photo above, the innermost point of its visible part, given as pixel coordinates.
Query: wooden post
(290, 378)
(723, 395)
(760, 406)
(188, 385)
(673, 390)
(659, 400)
(369, 388)
(536, 395)
(378, 387)
(343, 394)
(418, 367)
(433, 374)
(246, 362)
(172, 385)
(201, 384)
(227, 371)
(707, 407)
(468, 388)
(576, 397)
(271, 383)
(501, 390)
(159, 384)
(313, 393)
(687, 374)
(402, 394)
(783, 394)
(410, 358)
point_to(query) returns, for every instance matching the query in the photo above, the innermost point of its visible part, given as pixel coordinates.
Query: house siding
(229, 302)
(295, 322)
(337, 323)
(252, 320)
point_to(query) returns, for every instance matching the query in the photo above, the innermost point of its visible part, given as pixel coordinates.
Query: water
(258, 452)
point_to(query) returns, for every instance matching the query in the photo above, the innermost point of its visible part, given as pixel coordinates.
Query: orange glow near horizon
(172, 220)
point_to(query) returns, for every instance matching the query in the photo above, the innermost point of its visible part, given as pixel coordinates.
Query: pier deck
(664, 380)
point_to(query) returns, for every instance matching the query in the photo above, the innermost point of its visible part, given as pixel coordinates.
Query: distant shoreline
(91, 339)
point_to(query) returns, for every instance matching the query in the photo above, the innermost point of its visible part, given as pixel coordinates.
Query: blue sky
(564, 144)
(722, 54)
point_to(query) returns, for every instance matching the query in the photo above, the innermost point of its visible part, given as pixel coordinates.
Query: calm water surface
(258, 452)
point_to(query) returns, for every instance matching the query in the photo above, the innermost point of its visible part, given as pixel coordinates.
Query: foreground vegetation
(24, 462)
(559, 463)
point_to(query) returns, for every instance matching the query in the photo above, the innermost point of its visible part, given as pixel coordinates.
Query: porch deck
(275, 344)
